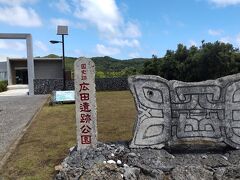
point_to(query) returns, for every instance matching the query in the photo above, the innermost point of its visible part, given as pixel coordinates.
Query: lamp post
(62, 30)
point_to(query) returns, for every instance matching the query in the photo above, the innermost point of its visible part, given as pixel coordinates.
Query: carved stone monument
(171, 112)
(85, 95)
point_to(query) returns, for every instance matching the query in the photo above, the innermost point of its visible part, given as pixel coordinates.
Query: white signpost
(85, 95)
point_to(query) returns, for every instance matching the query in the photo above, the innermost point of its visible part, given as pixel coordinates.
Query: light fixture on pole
(62, 30)
(55, 42)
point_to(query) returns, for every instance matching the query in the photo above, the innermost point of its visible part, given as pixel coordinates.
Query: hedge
(3, 86)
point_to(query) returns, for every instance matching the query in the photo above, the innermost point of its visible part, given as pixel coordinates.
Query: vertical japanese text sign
(85, 93)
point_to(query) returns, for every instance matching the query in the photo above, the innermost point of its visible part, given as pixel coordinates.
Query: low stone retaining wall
(118, 161)
(46, 86)
(111, 84)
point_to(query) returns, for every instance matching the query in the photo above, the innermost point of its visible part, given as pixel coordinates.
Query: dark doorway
(21, 76)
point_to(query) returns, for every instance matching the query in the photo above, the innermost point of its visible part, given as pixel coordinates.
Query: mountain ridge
(106, 63)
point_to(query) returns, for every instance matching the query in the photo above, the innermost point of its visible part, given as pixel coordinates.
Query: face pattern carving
(172, 111)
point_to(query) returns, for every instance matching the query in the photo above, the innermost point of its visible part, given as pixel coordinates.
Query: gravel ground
(117, 161)
(15, 113)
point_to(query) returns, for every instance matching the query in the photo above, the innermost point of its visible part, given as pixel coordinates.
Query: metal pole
(63, 63)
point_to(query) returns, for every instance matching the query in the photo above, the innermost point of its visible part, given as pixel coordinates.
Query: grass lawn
(53, 132)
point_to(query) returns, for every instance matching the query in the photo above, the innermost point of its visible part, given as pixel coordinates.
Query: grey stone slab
(172, 112)
(85, 96)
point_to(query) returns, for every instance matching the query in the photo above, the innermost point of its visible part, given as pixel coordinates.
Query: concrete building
(44, 68)
(3, 71)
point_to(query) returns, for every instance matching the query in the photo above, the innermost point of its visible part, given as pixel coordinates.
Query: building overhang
(30, 64)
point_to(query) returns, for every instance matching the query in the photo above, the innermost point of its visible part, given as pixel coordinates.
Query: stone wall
(46, 86)
(111, 84)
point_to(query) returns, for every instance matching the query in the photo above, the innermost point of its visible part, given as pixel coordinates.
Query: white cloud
(165, 32)
(215, 32)
(62, 6)
(125, 42)
(172, 22)
(166, 19)
(235, 40)
(106, 51)
(180, 24)
(104, 14)
(132, 30)
(60, 21)
(78, 52)
(17, 2)
(154, 52)
(106, 17)
(134, 55)
(192, 43)
(65, 22)
(79, 25)
(226, 39)
(12, 45)
(224, 3)
(19, 16)
(40, 45)
(4, 57)
(238, 40)
(14, 14)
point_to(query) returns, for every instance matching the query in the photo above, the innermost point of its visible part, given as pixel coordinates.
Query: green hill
(110, 67)
(110, 64)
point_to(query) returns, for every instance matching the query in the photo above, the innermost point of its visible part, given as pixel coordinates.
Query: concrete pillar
(9, 72)
(30, 64)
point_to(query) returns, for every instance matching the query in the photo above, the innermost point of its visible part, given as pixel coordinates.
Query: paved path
(15, 113)
(15, 92)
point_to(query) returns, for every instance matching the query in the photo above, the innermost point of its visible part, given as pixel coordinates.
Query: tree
(209, 61)
(151, 67)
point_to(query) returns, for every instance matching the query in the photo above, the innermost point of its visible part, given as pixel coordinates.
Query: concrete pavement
(16, 90)
(16, 112)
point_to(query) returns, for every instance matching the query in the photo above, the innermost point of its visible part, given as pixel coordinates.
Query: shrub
(3, 86)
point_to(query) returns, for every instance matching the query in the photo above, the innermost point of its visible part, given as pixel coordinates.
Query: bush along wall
(46, 86)
(3, 86)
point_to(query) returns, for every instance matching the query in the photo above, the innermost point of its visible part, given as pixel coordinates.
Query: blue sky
(118, 28)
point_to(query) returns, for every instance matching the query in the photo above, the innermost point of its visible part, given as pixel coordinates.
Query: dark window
(22, 76)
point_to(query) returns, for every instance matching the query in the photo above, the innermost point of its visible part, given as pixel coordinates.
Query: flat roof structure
(35, 59)
(30, 64)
